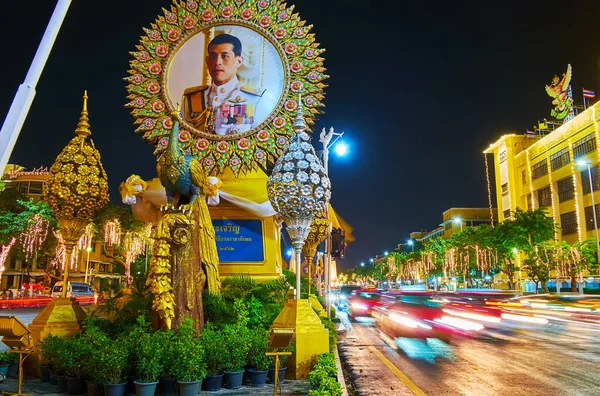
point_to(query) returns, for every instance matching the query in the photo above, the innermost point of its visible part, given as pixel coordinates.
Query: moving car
(344, 293)
(362, 301)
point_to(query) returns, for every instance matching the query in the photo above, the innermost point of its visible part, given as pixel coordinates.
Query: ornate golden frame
(262, 145)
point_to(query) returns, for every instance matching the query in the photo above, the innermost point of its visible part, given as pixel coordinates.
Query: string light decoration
(554, 217)
(34, 237)
(112, 232)
(4, 254)
(576, 195)
(489, 189)
(134, 244)
(85, 241)
(529, 179)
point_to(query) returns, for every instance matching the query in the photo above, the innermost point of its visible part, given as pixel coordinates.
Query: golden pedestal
(61, 317)
(312, 339)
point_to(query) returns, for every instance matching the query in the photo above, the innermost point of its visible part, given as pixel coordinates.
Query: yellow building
(551, 171)
(454, 220)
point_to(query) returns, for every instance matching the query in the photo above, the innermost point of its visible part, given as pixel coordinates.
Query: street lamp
(587, 164)
(87, 264)
(326, 139)
(385, 253)
(362, 264)
(458, 220)
(412, 244)
(371, 260)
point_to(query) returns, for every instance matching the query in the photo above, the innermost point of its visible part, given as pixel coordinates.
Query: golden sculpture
(317, 234)
(77, 186)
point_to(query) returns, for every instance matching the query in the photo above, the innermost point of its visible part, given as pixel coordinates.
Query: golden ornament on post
(76, 189)
(317, 234)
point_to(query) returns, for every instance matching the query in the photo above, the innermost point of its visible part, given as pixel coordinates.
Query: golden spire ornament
(77, 186)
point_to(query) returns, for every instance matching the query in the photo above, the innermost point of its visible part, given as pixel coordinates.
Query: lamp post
(87, 264)
(589, 168)
(326, 139)
(411, 243)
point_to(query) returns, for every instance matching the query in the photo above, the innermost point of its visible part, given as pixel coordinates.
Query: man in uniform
(226, 106)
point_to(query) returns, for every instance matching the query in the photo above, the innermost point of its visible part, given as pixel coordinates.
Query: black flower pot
(212, 383)
(44, 373)
(94, 388)
(13, 370)
(257, 378)
(53, 377)
(61, 384)
(76, 386)
(115, 389)
(167, 386)
(233, 379)
(247, 368)
(271, 375)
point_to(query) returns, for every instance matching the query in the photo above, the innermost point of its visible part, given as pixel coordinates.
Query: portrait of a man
(226, 106)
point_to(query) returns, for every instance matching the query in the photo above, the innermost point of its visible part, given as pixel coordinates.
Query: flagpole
(26, 92)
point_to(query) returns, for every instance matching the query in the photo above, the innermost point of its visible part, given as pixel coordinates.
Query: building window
(24, 187)
(529, 204)
(585, 180)
(589, 217)
(524, 176)
(584, 145)
(565, 189)
(568, 223)
(36, 187)
(560, 159)
(538, 170)
(506, 213)
(545, 197)
(448, 226)
(505, 189)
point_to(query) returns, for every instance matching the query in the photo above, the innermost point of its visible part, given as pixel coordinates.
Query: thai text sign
(239, 241)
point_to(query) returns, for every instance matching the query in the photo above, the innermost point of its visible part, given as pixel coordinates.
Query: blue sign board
(239, 241)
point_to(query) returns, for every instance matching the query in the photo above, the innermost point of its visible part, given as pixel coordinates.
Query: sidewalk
(36, 387)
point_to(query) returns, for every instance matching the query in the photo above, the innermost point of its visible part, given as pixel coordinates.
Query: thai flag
(588, 94)
(530, 133)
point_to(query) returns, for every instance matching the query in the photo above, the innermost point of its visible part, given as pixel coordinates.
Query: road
(523, 362)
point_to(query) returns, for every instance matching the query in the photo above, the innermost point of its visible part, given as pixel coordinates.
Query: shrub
(73, 356)
(235, 347)
(95, 339)
(190, 365)
(6, 358)
(111, 361)
(323, 377)
(258, 346)
(48, 349)
(213, 344)
(149, 354)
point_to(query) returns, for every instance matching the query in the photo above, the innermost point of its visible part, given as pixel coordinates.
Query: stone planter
(76, 386)
(115, 389)
(189, 388)
(258, 378)
(233, 379)
(145, 388)
(213, 383)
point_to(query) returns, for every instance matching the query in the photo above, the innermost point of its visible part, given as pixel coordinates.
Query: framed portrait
(228, 77)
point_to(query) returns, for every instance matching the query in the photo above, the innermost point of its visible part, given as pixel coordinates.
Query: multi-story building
(552, 171)
(454, 220)
(98, 261)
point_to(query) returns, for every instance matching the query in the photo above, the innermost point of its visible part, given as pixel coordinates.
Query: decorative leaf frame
(261, 146)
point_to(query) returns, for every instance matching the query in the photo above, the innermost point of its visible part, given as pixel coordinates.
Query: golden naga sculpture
(184, 257)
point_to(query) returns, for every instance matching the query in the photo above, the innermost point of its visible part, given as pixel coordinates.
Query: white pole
(26, 92)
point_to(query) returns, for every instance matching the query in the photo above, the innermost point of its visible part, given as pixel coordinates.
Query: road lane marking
(405, 380)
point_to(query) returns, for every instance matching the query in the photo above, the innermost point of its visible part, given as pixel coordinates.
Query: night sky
(420, 88)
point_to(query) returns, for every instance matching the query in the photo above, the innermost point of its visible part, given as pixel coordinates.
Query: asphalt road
(563, 359)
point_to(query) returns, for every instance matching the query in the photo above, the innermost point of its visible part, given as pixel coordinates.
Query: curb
(340, 372)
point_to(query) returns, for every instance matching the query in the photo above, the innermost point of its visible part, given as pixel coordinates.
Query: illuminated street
(561, 360)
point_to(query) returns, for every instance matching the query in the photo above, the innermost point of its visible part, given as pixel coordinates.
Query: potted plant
(149, 361)
(235, 337)
(72, 359)
(61, 360)
(190, 366)
(47, 348)
(95, 340)
(112, 359)
(213, 345)
(5, 360)
(256, 354)
(13, 365)
(282, 367)
(166, 379)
